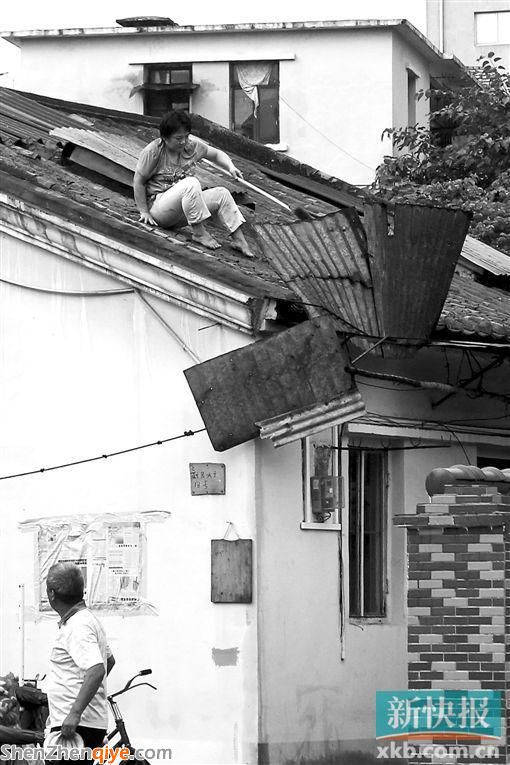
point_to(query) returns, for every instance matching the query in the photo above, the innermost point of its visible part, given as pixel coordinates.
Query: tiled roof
(31, 169)
(30, 153)
(474, 310)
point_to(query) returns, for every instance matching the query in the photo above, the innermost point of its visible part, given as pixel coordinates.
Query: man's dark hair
(66, 580)
(172, 121)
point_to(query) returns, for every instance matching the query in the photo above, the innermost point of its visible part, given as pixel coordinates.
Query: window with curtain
(254, 94)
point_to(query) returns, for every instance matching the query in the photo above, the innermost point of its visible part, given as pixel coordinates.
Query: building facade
(323, 92)
(470, 29)
(100, 318)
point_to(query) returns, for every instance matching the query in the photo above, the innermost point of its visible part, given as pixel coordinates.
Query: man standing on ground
(80, 661)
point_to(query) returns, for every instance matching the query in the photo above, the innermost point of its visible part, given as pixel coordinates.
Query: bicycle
(120, 725)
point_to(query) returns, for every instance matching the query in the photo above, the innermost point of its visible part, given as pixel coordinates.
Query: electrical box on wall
(324, 496)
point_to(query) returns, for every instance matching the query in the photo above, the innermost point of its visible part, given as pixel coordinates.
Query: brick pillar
(458, 549)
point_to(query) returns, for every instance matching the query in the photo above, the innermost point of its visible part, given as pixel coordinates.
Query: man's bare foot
(206, 240)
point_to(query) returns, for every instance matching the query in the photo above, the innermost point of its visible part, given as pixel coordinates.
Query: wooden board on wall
(231, 570)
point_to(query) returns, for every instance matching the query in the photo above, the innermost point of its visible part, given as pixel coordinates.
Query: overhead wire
(69, 293)
(326, 137)
(161, 441)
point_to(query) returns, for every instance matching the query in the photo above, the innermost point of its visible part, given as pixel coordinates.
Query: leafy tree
(463, 158)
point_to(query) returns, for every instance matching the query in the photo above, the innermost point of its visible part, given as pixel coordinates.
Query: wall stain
(225, 657)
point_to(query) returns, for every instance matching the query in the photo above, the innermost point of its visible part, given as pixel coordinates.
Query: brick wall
(458, 565)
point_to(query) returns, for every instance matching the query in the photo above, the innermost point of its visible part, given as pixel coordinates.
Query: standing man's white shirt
(80, 645)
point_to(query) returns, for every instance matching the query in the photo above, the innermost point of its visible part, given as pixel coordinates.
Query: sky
(56, 14)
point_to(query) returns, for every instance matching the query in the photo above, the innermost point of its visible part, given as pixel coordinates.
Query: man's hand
(70, 724)
(146, 217)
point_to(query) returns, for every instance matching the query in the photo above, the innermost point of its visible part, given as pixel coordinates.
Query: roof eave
(447, 63)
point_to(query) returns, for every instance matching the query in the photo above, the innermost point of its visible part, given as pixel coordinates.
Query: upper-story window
(166, 87)
(492, 28)
(254, 94)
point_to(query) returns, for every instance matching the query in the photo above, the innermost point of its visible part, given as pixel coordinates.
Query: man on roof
(168, 194)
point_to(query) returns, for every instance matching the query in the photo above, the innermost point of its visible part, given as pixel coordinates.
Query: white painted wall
(339, 88)
(81, 376)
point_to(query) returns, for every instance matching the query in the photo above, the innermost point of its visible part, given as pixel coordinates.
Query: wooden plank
(231, 571)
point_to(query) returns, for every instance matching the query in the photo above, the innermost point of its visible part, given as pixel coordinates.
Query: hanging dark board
(231, 570)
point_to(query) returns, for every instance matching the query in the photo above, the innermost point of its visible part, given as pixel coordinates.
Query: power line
(68, 293)
(103, 456)
(344, 151)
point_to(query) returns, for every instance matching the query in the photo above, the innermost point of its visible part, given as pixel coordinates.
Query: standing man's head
(174, 129)
(64, 586)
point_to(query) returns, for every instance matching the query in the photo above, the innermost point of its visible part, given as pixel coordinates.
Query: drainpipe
(21, 626)
(441, 26)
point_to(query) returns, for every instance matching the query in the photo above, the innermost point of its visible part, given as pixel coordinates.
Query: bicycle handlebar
(129, 687)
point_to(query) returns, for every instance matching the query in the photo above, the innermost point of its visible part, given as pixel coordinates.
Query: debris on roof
(146, 21)
(482, 256)
(77, 161)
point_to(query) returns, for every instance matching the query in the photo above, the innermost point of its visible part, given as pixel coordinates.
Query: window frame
(309, 520)
(365, 448)
(181, 88)
(412, 91)
(497, 14)
(233, 89)
(343, 444)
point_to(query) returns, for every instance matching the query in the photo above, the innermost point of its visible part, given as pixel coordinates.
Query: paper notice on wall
(123, 544)
(110, 552)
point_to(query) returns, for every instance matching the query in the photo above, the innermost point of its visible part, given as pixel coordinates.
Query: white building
(99, 317)
(322, 91)
(471, 28)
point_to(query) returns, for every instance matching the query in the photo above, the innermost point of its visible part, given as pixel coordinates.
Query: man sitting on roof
(167, 193)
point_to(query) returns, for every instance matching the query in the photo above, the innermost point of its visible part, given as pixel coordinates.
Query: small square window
(167, 87)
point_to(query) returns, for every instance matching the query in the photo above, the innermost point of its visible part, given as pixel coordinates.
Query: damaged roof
(76, 161)
(93, 188)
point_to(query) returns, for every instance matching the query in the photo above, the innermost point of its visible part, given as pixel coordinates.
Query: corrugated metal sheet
(298, 368)
(25, 118)
(293, 426)
(373, 282)
(325, 262)
(110, 147)
(419, 247)
(486, 257)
